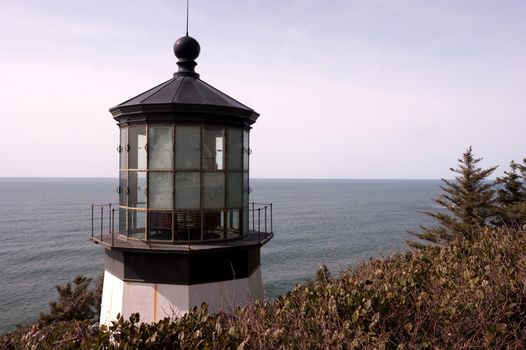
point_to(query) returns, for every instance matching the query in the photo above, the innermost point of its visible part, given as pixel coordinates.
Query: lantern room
(184, 159)
(183, 181)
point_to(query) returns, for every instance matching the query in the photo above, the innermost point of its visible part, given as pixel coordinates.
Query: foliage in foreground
(470, 294)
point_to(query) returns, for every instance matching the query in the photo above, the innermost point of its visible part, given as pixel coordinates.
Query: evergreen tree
(323, 275)
(74, 303)
(511, 196)
(97, 293)
(468, 203)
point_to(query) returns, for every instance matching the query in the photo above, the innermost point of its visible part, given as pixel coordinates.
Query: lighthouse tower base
(155, 301)
(161, 284)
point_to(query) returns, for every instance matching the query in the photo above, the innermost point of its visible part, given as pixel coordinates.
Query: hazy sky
(345, 89)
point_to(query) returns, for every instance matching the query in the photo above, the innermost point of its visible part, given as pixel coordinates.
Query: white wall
(154, 301)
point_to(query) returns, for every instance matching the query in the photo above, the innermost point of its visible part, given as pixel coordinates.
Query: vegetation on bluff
(511, 196)
(472, 201)
(75, 302)
(467, 290)
(468, 203)
(468, 294)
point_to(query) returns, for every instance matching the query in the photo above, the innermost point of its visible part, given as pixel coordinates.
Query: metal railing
(257, 209)
(104, 219)
(182, 227)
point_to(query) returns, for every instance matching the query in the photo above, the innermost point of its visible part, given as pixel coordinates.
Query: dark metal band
(183, 269)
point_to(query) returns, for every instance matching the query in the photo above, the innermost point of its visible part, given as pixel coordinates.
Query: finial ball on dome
(187, 47)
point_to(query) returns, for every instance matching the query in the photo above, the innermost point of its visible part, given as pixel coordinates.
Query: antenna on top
(187, 6)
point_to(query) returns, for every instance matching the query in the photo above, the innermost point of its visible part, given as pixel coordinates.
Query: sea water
(45, 224)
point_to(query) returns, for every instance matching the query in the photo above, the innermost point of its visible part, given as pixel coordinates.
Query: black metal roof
(184, 94)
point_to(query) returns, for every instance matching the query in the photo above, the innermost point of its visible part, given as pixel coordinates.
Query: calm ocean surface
(44, 225)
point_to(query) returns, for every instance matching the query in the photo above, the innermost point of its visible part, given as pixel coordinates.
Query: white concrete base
(155, 301)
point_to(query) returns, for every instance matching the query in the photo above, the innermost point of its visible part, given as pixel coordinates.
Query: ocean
(45, 224)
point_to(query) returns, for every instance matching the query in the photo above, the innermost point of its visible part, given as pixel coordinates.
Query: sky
(345, 89)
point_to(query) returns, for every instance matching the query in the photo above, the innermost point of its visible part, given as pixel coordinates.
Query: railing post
(148, 230)
(226, 219)
(101, 221)
(253, 221)
(113, 227)
(259, 224)
(187, 223)
(271, 230)
(92, 221)
(265, 222)
(109, 218)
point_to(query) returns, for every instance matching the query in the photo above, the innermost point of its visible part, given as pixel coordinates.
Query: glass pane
(187, 147)
(235, 190)
(246, 150)
(245, 189)
(122, 187)
(213, 146)
(160, 225)
(136, 224)
(137, 189)
(214, 190)
(233, 220)
(160, 147)
(235, 149)
(245, 220)
(160, 190)
(187, 190)
(187, 226)
(137, 147)
(233, 224)
(213, 225)
(123, 154)
(122, 222)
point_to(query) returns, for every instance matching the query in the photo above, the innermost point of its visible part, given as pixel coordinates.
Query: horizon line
(253, 178)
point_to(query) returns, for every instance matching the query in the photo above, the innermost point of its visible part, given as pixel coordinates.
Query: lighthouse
(184, 231)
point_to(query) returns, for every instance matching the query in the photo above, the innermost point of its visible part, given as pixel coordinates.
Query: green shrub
(462, 296)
